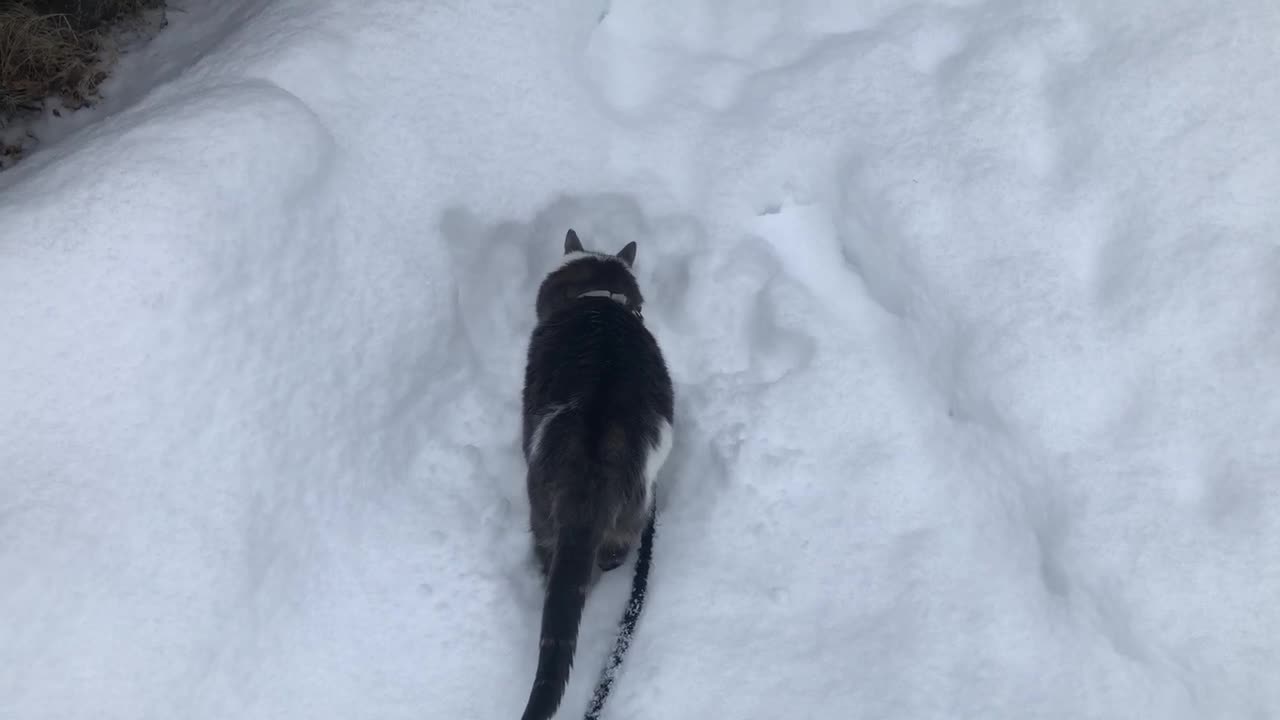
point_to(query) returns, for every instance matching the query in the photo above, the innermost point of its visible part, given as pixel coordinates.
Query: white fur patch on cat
(656, 458)
(535, 442)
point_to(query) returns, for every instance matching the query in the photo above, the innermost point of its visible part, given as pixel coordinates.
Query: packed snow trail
(971, 308)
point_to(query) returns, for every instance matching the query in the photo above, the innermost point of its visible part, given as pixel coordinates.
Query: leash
(639, 584)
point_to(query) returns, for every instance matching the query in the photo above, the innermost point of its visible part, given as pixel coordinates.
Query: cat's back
(597, 350)
(601, 330)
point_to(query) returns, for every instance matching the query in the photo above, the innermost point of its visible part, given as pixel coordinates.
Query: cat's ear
(571, 242)
(628, 254)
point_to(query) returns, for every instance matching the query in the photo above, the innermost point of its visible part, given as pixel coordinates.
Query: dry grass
(44, 56)
(57, 50)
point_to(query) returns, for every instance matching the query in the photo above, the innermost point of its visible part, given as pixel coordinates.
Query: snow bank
(971, 307)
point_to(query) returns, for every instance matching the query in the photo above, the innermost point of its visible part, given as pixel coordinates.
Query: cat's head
(582, 274)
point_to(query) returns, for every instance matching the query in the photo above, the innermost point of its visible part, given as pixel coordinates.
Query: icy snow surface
(972, 306)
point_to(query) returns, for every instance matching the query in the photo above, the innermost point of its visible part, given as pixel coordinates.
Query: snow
(970, 305)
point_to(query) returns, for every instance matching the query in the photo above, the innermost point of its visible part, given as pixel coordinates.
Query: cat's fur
(598, 405)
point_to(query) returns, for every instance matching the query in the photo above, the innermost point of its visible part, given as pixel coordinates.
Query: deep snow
(971, 307)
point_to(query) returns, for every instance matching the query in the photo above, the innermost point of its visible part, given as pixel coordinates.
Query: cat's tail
(570, 575)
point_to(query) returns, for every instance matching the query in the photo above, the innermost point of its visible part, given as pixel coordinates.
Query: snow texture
(971, 306)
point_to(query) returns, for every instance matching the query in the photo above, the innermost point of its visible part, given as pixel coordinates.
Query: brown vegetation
(57, 50)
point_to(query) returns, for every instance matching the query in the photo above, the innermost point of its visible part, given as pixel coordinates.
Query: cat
(597, 426)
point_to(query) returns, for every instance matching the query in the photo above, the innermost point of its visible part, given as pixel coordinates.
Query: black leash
(639, 583)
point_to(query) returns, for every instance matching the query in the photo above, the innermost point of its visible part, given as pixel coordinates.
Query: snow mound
(970, 305)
